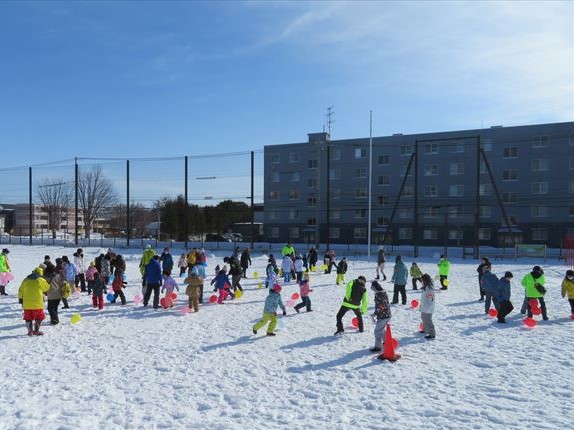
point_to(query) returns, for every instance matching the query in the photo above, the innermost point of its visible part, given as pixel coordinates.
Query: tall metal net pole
(370, 183)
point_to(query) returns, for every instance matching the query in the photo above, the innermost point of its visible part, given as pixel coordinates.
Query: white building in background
(40, 220)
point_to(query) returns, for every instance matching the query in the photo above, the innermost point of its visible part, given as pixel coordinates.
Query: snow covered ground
(129, 367)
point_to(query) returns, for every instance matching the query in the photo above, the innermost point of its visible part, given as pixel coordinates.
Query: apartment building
(495, 186)
(40, 220)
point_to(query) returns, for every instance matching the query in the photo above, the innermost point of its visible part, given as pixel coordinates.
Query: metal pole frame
(186, 197)
(252, 197)
(416, 208)
(128, 220)
(328, 194)
(30, 207)
(370, 184)
(76, 201)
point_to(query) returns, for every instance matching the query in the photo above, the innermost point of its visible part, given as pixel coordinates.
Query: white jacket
(298, 265)
(427, 300)
(287, 264)
(79, 263)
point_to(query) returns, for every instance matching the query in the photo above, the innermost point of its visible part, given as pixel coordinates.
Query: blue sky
(152, 79)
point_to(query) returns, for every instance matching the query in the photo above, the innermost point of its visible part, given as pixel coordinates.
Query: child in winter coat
(54, 295)
(501, 297)
(304, 291)
(169, 284)
(90, 276)
(299, 267)
(106, 271)
(489, 284)
(427, 306)
(193, 282)
(443, 271)
(287, 267)
(222, 284)
(199, 270)
(533, 284)
(182, 264)
(98, 291)
(416, 275)
(67, 288)
(118, 284)
(270, 273)
(341, 270)
(382, 314)
(272, 302)
(31, 293)
(568, 289)
(399, 278)
(71, 273)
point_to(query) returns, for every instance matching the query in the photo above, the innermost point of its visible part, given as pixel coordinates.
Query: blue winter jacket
(70, 272)
(167, 261)
(489, 282)
(153, 273)
(502, 291)
(273, 301)
(220, 280)
(400, 273)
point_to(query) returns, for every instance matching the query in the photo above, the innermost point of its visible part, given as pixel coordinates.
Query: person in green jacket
(356, 299)
(443, 270)
(288, 250)
(533, 284)
(5, 275)
(416, 275)
(147, 256)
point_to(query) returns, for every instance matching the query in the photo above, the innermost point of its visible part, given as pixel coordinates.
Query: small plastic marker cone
(389, 350)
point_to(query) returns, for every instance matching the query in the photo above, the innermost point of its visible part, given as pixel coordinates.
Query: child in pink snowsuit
(222, 284)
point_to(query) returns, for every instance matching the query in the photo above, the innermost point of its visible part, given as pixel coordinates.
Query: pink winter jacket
(90, 273)
(304, 289)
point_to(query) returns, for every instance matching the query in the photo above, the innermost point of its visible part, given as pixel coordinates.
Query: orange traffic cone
(389, 350)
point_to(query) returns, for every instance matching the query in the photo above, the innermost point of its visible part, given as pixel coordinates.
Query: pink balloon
(138, 299)
(174, 296)
(355, 322)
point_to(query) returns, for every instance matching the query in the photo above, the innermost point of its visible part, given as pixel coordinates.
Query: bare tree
(140, 217)
(95, 194)
(55, 196)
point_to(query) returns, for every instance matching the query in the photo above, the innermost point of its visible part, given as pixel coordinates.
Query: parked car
(213, 237)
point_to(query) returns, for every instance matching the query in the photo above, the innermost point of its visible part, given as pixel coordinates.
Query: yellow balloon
(324, 267)
(313, 268)
(446, 282)
(239, 294)
(260, 285)
(74, 319)
(255, 275)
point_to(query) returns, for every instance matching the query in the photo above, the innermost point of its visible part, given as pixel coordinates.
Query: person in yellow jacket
(356, 300)
(147, 256)
(31, 293)
(568, 290)
(443, 271)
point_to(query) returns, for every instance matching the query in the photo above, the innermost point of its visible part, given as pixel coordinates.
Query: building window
(571, 211)
(571, 163)
(360, 213)
(295, 176)
(540, 188)
(405, 233)
(510, 175)
(384, 200)
(509, 197)
(455, 212)
(274, 214)
(360, 173)
(456, 169)
(407, 191)
(384, 160)
(570, 187)
(335, 233)
(275, 177)
(311, 221)
(431, 170)
(274, 158)
(458, 148)
(311, 164)
(540, 234)
(406, 150)
(539, 165)
(273, 195)
(334, 174)
(311, 182)
(431, 212)
(311, 201)
(360, 153)
(274, 232)
(335, 193)
(431, 191)
(486, 145)
(431, 148)
(485, 211)
(455, 234)
(294, 195)
(383, 180)
(540, 142)
(293, 214)
(485, 189)
(293, 157)
(510, 152)
(430, 234)
(335, 154)
(456, 190)
(539, 211)
(484, 233)
(383, 220)
(359, 233)
(294, 233)
(405, 213)
(360, 193)
(335, 214)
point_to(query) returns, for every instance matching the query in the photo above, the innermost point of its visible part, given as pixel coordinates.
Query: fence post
(128, 228)
(77, 202)
(186, 221)
(31, 209)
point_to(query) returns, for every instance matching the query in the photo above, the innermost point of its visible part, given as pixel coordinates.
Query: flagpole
(370, 183)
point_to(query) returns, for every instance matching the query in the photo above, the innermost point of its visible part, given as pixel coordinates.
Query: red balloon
(529, 322)
(533, 303)
(355, 322)
(414, 303)
(174, 296)
(168, 302)
(492, 312)
(536, 311)
(213, 299)
(395, 343)
(295, 296)
(162, 302)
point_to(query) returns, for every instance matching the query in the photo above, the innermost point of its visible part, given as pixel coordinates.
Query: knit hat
(570, 273)
(5, 251)
(46, 257)
(277, 288)
(508, 275)
(375, 286)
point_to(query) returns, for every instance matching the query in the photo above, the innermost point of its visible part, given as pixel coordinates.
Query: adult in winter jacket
(166, 260)
(80, 280)
(501, 297)
(489, 284)
(182, 264)
(272, 302)
(312, 257)
(480, 269)
(71, 272)
(236, 272)
(329, 260)
(381, 315)
(287, 266)
(245, 261)
(288, 250)
(416, 275)
(533, 284)
(443, 270)
(427, 306)
(106, 271)
(341, 270)
(54, 295)
(147, 256)
(568, 290)
(153, 279)
(400, 275)
(31, 293)
(5, 275)
(381, 259)
(356, 300)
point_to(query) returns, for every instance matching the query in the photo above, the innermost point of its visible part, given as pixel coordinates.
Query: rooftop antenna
(330, 119)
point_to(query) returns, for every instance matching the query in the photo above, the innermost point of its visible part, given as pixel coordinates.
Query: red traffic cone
(389, 350)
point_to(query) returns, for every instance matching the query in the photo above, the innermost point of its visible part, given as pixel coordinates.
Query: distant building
(40, 220)
(321, 187)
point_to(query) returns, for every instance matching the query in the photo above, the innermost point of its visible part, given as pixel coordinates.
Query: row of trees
(97, 199)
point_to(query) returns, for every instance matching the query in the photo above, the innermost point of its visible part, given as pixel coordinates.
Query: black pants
(121, 295)
(299, 276)
(201, 293)
(442, 279)
(480, 288)
(65, 303)
(504, 308)
(342, 313)
(415, 282)
(306, 302)
(148, 291)
(81, 280)
(53, 310)
(542, 307)
(399, 289)
(235, 283)
(244, 270)
(182, 271)
(571, 301)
